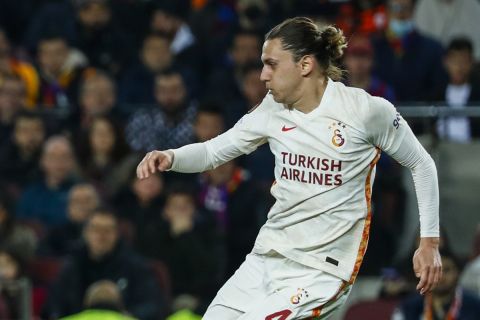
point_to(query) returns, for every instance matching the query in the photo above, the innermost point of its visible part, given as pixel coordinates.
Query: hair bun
(333, 42)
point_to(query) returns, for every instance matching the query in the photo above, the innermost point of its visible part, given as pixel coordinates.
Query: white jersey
(324, 168)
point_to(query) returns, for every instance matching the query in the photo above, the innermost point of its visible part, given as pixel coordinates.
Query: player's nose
(265, 75)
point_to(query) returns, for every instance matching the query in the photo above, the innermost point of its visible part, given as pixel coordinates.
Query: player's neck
(311, 95)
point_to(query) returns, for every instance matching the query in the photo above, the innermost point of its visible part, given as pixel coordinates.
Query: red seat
(44, 270)
(162, 275)
(371, 310)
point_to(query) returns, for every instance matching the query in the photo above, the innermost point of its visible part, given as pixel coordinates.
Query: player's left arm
(391, 133)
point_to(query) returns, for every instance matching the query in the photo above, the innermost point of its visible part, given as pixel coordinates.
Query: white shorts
(272, 287)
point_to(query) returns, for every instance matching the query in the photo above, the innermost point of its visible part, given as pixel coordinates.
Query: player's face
(281, 74)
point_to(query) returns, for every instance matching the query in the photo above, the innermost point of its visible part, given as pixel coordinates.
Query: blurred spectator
(10, 65)
(20, 155)
(89, 26)
(459, 92)
(228, 192)
(171, 19)
(359, 62)
(45, 200)
(252, 91)
(97, 97)
(103, 300)
(12, 268)
(213, 25)
(12, 100)
(446, 301)
(260, 163)
(141, 201)
(225, 81)
(65, 239)
(394, 285)
(408, 60)
(104, 257)
(137, 85)
(253, 15)
(470, 278)
(102, 151)
(209, 122)
(60, 73)
(14, 236)
(184, 314)
(362, 17)
(15, 15)
(445, 20)
(186, 241)
(170, 124)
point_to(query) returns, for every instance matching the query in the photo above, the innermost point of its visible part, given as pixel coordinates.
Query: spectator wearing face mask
(446, 20)
(408, 60)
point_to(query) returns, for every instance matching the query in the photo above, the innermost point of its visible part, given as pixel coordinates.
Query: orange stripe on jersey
(366, 229)
(318, 310)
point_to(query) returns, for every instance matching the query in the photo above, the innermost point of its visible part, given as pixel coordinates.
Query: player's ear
(307, 63)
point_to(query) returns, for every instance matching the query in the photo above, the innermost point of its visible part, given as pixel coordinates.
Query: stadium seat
(44, 270)
(371, 310)
(162, 276)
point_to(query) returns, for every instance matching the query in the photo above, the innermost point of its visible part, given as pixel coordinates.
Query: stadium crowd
(88, 86)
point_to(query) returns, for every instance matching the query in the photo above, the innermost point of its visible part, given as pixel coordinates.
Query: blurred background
(88, 86)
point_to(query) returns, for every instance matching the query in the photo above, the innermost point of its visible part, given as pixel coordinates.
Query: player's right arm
(246, 136)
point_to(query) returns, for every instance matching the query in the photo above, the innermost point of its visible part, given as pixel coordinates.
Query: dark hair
(103, 210)
(170, 71)
(211, 107)
(183, 189)
(93, 74)
(460, 44)
(30, 115)
(6, 203)
(156, 34)
(301, 36)
(244, 32)
(252, 66)
(120, 147)
(51, 35)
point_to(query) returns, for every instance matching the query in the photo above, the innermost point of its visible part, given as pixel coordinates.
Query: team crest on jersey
(338, 133)
(301, 293)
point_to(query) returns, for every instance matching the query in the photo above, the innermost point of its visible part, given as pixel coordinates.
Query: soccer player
(326, 139)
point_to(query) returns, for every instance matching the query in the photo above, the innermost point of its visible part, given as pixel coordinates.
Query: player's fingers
(145, 169)
(164, 164)
(423, 281)
(431, 278)
(151, 162)
(143, 164)
(416, 269)
(140, 168)
(438, 274)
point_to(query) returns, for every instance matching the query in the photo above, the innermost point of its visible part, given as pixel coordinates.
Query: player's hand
(427, 264)
(153, 161)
